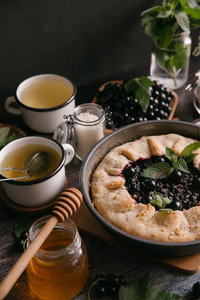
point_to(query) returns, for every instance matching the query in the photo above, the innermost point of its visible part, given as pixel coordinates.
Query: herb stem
(9, 245)
(174, 75)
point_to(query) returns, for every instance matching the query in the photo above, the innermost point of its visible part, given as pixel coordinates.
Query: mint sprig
(141, 89)
(176, 161)
(163, 24)
(140, 289)
(161, 201)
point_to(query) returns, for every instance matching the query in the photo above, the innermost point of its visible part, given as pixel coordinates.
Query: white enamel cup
(32, 193)
(43, 120)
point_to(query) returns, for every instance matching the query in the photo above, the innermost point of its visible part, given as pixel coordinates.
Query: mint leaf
(187, 153)
(4, 131)
(166, 36)
(5, 138)
(154, 11)
(171, 155)
(160, 200)
(165, 13)
(183, 20)
(134, 290)
(139, 290)
(140, 88)
(179, 161)
(158, 170)
(181, 165)
(167, 210)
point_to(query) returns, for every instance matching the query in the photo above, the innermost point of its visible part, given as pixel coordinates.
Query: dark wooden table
(104, 257)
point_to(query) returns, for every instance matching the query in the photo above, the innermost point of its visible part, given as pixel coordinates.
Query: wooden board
(86, 222)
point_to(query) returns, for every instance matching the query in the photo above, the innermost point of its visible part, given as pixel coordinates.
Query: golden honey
(59, 270)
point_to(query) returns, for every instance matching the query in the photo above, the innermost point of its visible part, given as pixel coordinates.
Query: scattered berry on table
(196, 289)
(107, 285)
(20, 243)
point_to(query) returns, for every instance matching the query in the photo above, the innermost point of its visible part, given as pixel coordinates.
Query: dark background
(85, 40)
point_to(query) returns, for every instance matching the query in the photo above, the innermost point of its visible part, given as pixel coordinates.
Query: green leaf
(152, 30)
(184, 3)
(5, 139)
(165, 13)
(167, 210)
(171, 155)
(134, 290)
(140, 88)
(4, 131)
(192, 3)
(158, 170)
(139, 290)
(183, 20)
(154, 11)
(181, 165)
(23, 225)
(160, 200)
(193, 13)
(166, 36)
(179, 59)
(187, 152)
(157, 202)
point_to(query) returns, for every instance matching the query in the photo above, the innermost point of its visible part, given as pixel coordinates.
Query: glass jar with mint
(169, 27)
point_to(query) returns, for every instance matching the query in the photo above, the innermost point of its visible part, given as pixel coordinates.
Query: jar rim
(69, 250)
(88, 106)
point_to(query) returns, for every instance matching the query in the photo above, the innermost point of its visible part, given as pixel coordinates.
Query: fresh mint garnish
(158, 170)
(161, 201)
(140, 87)
(140, 289)
(176, 161)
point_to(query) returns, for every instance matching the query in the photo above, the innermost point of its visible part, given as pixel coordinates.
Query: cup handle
(8, 106)
(69, 153)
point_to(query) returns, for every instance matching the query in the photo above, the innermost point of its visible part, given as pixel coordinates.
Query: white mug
(45, 119)
(44, 189)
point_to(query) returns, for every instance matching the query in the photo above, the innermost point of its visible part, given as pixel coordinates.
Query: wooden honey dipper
(66, 205)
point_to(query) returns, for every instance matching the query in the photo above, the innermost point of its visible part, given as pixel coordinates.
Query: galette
(150, 188)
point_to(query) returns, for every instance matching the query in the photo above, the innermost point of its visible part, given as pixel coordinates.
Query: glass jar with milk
(83, 129)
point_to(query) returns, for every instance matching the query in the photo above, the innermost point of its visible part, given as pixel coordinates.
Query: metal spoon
(34, 164)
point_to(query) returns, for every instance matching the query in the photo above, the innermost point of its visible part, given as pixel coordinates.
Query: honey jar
(59, 269)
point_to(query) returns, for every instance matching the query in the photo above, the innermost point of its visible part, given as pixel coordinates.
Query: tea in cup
(43, 101)
(38, 189)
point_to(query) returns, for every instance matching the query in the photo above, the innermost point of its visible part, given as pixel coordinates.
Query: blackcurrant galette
(150, 188)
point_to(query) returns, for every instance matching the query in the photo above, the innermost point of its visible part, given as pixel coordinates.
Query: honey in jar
(59, 269)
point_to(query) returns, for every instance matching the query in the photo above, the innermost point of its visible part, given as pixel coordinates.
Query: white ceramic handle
(10, 109)
(69, 153)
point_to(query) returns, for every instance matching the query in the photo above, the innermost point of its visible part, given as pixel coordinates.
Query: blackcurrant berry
(196, 289)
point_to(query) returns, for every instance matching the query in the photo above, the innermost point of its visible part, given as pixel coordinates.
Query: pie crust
(112, 200)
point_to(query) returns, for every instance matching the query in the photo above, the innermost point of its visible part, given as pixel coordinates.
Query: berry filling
(182, 188)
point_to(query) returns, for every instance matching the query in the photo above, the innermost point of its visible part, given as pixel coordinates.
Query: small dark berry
(196, 289)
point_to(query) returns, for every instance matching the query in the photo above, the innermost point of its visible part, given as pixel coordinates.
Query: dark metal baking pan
(97, 153)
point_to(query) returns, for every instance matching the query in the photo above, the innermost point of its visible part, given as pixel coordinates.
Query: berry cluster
(107, 285)
(21, 242)
(123, 108)
(180, 187)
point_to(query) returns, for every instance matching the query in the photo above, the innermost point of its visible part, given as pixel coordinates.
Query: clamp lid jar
(59, 269)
